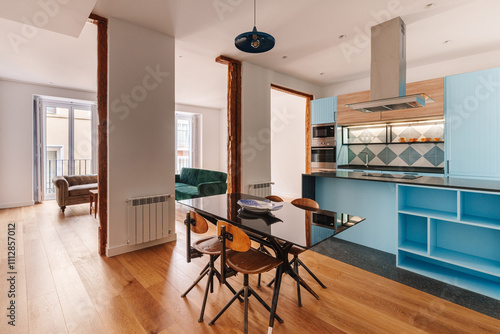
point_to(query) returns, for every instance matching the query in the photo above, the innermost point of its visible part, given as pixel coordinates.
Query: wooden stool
(94, 198)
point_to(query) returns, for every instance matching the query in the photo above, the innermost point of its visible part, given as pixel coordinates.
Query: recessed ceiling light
(342, 36)
(284, 57)
(430, 5)
(448, 41)
(322, 73)
(50, 82)
(180, 56)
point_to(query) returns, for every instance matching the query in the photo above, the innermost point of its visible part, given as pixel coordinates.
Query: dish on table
(259, 206)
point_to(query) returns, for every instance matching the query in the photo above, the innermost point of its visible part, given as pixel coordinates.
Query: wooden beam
(233, 123)
(308, 98)
(102, 110)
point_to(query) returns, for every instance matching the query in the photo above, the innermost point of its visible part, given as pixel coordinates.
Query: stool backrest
(198, 223)
(274, 198)
(306, 204)
(232, 238)
(236, 239)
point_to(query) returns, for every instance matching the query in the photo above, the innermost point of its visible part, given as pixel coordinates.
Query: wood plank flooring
(64, 286)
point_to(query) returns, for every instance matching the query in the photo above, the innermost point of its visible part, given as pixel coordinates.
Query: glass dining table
(280, 229)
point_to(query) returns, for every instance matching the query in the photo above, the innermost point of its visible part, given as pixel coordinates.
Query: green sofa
(194, 182)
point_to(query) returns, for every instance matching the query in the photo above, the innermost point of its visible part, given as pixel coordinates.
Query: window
(69, 132)
(187, 140)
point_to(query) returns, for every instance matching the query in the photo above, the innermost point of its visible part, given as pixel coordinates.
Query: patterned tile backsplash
(390, 145)
(414, 155)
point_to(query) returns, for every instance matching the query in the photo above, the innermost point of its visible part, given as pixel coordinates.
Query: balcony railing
(63, 167)
(182, 162)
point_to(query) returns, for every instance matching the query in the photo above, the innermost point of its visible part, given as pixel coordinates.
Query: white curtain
(38, 119)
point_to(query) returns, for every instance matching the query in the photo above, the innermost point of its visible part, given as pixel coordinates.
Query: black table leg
(276, 293)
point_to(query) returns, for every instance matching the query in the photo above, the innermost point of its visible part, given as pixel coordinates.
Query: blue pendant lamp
(254, 41)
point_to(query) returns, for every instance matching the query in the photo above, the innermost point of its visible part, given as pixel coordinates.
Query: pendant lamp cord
(254, 12)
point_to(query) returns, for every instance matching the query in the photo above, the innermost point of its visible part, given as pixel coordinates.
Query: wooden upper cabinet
(434, 88)
(348, 116)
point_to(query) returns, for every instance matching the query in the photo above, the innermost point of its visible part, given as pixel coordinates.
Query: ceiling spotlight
(448, 41)
(254, 41)
(284, 57)
(430, 5)
(322, 73)
(342, 36)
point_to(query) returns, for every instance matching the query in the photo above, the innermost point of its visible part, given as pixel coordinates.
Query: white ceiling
(306, 33)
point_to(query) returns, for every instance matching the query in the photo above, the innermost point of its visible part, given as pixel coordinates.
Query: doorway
(68, 140)
(187, 140)
(290, 112)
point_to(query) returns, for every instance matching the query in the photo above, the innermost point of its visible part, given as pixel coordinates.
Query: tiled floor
(384, 264)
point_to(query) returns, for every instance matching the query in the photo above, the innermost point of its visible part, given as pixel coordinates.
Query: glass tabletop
(289, 223)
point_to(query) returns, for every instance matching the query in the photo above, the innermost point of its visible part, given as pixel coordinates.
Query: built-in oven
(323, 158)
(323, 135)
(323, 147)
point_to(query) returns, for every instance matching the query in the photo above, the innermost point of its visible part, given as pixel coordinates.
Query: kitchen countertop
(432, 181)
(437, 170)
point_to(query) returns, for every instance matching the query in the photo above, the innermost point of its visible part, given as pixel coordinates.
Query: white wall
(16, 137)
(472, 63)
(210, 135)
(288, 143)
(256, 119)
(141, 142)
(223, 140)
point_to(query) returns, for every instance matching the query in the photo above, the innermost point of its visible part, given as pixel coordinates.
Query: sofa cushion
(210, 176)
(82, 189)
(180, 185)
(186, 192)
(75, 180)
(189, 176)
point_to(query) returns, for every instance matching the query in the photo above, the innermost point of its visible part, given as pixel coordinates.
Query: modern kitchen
(338, 173)
(422, 168)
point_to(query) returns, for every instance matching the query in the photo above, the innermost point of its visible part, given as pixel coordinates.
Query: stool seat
(251, 262)
(209, 245)
(296, 250)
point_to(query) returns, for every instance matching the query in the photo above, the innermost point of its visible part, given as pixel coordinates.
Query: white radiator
(261, 189)
(147, 218)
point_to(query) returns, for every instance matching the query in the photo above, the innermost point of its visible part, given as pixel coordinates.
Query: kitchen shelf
(484, 284)
(391, 133)
(467, 261)
(428, 213)
(452, 235)
(432, 202)
(397, 143)
(413, 233)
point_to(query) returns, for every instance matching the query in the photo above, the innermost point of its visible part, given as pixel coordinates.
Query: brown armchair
(73, 189)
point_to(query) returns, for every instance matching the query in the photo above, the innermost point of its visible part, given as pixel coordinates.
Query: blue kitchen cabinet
(324, 110)
(452, 235)
(472, 123)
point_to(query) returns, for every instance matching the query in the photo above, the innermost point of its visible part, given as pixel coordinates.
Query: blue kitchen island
(444, 228)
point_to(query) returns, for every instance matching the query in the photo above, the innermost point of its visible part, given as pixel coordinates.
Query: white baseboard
(16, 205)
(122, 249)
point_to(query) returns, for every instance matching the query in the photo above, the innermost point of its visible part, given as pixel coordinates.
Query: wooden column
(233, 123)
(102, 110)
(308, 98)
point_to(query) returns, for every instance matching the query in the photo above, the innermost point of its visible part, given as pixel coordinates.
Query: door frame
(309, 98)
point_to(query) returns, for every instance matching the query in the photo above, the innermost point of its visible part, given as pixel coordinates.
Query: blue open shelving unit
(452, 235)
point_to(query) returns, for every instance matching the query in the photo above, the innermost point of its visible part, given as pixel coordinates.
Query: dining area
(257, 237)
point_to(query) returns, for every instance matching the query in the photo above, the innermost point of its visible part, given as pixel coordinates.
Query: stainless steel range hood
(388, 71)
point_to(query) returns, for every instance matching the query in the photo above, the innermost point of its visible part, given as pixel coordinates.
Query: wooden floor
(63, 286)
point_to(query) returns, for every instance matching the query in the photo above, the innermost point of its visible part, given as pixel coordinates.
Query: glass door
(69, 135)
(184, 142)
